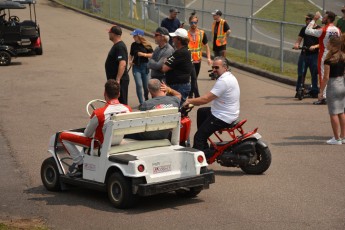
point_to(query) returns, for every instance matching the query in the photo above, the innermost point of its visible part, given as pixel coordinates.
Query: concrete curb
(248, 68)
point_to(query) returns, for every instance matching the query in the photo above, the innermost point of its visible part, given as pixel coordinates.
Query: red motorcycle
(245, 150)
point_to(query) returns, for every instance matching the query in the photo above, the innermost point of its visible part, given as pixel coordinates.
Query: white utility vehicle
(127, 168)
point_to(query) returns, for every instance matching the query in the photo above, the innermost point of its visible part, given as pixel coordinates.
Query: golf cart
(127, 168)
(21, 35)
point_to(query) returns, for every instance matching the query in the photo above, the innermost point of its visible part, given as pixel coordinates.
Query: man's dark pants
(305, 61)
(207, 124)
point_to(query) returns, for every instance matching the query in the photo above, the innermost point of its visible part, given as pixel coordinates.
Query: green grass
(295, 12)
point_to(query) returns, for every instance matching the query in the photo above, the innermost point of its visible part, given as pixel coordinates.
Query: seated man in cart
(162, 97)
(94, 128)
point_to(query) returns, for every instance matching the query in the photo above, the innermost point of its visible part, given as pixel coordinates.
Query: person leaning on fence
(324, 33)
(341, 21)
(140, 51)
(334, 80)
(160, 54)
(197, 40)
(220, 32)
(308, 57)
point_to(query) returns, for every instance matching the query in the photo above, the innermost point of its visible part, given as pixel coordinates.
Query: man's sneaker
(75, 170)
(320, 102)
(343, 140)
(333, 141)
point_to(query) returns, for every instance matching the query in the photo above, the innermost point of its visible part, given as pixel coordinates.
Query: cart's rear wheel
(120, 191)
(5, 58)
(50, 175)
(189, 192)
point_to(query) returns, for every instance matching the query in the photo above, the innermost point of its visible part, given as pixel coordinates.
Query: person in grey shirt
(162, 97)
(162, 51)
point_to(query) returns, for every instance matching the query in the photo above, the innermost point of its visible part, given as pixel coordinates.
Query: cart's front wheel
(120, 191)
(5, 58)
(50, 175)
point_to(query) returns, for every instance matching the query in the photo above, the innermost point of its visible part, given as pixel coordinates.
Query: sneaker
(75, 170)
(320, 102)
(343, 140)
(333, 141)
(296, 95)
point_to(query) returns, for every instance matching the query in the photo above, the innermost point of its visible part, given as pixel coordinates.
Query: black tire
(262, 163)
(189, 193)
(5, 58)
(120, 191)
(50, 175)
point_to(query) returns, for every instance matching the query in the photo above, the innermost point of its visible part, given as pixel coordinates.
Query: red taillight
(200, 159)
(38, 42)
(141, 168)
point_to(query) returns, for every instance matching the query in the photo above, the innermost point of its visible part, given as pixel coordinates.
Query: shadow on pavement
(303, 140)
(99, 200)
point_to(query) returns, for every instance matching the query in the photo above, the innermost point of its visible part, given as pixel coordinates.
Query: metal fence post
(251, 20)
(281, 46)
(110, 8)
(121, 10)
(203, 5)
(247, 42)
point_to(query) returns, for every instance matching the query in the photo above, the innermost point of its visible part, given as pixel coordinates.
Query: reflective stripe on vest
(221, 36)
(195, 47)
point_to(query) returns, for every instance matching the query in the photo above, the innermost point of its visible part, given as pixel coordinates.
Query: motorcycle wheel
(262, 162)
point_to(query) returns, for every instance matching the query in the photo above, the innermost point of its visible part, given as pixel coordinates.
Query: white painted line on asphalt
(275, 39)
(313, 3)
(262, 7)
(191, 3)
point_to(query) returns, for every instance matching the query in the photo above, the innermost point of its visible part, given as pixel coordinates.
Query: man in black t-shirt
(171, 23)
(307, 58)
(179, 66)
(116, 63)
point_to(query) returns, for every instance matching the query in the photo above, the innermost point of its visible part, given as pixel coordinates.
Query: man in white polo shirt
(225, 106)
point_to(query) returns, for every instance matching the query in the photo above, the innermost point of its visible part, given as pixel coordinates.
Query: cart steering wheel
(14, 19)
(94, 104)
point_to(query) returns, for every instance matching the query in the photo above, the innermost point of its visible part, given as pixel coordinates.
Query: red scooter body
(242, 149)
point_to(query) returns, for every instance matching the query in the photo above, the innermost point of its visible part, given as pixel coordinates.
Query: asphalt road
(303, 189)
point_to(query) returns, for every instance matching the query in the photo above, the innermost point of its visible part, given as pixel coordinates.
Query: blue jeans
(140, 73)
(183, 89)
(305, 61)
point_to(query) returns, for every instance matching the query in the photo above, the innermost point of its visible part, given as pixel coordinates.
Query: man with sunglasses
(225, 105)
(308, 57)
(160, 54)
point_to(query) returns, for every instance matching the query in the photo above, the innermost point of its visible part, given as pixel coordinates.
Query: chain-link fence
(251, 38)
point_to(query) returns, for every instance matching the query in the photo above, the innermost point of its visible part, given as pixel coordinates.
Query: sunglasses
(215, 67)
(193, 23)
(157, 35)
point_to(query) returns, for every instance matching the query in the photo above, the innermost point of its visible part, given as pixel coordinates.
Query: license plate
(257, 135)
(161, 169)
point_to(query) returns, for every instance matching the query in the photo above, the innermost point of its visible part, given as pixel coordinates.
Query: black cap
(116, 30)
(310, 15)
(174, 10)
(162, 31)
(217, 12)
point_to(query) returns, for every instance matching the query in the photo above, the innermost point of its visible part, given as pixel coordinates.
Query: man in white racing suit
(323, 34)
(95, 128)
